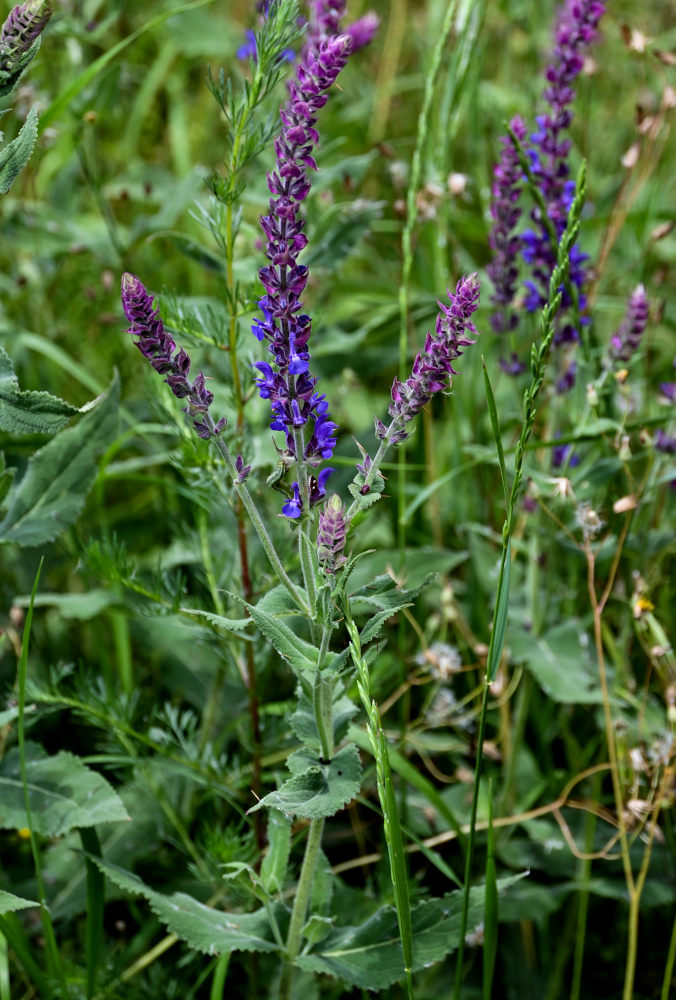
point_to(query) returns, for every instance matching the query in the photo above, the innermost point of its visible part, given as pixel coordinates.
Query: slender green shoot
(539, 354)
(388, 804)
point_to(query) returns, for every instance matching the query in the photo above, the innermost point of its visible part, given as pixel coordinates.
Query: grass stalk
(539, 355)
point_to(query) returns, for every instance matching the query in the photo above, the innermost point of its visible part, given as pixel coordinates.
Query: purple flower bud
(331, 535)
(21, 29)
(361, 32)
(158, 347)
(625, 341)
(242, 469)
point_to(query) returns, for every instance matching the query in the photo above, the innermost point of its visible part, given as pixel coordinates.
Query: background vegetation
(160, 703)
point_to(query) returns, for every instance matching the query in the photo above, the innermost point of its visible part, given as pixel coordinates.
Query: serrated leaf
(210, 931)
(63, 793)
(9, 903)
(219, 622)
(300, 655)
(16, 154)
(52, 492)
(388, 598)
(25, 411)
(370, 956)
(317, 790)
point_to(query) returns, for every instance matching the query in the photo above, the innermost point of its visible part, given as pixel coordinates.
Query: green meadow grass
(180, 723)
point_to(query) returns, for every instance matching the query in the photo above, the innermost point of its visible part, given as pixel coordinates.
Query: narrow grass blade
(13, 932)
(395, 846)
(491, 906)
(495, 426)
(499, 630)
(96, 884)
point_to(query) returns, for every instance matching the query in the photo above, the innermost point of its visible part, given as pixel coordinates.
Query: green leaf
(82, 607)
(9, 903)
(316, 789)
(300, 655)
(52, 492)
(561, 661)
(221, 624)
(386, 598)
(16, 154)
(370, 956)
(275, 862)
(8, 81)
(323, 885)
(63, 793)
(212, 932)
(27, 412)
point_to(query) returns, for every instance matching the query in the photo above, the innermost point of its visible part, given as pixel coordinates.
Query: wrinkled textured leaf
(370, 956)
(63, 793)
(220, 623)
(9, 903)
(27, 412)
(16, 154)
(300, 655)
(210, 931)
(317, 789)
(52, 492)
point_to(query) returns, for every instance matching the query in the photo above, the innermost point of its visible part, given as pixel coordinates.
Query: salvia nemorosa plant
(295, 648)
(547, 149)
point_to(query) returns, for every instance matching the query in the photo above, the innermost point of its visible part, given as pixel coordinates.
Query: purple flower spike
(625, 341)
(503, 270)
(158, 347)
(575, 32)
(288, 383)
(433, 365)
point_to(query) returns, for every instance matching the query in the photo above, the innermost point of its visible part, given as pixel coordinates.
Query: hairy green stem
(256, 519)
(301, 902)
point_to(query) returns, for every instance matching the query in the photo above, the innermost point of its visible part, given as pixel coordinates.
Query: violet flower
(158, 347)
(664, 442)
(289, 385)
(625, 341)
(434, 364)
(503, 270)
